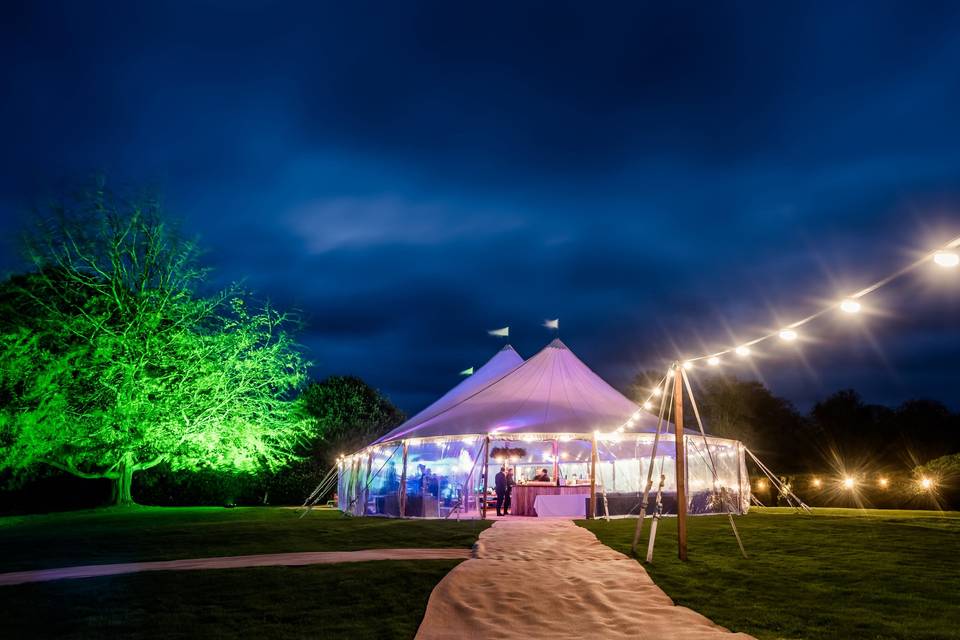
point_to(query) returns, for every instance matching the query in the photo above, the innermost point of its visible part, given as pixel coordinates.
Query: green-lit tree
(111, 361)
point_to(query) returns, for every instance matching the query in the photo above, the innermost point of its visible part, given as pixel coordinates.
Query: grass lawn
(384, 599)
(356, 600)
(841, 573)
(163, 533)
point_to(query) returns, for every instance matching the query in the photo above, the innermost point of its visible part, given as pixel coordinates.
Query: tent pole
(403, 483)
(681, 465)
(556, 462)
(484, 470)
(355, 474)
(665, 407)
(366, 487)
(593, 477)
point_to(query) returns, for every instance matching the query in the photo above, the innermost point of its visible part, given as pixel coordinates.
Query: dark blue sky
(410, 175)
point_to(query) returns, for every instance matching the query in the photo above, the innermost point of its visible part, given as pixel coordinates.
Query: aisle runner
(536, 578)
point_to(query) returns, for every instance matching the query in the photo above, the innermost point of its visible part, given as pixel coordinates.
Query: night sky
(664, 180)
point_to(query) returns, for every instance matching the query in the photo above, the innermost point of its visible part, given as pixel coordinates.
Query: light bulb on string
(657, 391)
(648, 405)
(850, 306)
(946, 259)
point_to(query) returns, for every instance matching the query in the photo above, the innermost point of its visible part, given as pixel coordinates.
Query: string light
(687, 365)
(817, 482)
(926, 483)
(657, 391)
(946, 258)
(883, 482)
(648, 405)
(849, 482)
(850, 306)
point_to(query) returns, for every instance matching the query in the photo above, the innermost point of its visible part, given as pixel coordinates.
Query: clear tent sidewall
(437, 477)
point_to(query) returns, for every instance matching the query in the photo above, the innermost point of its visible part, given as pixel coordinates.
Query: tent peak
(508, 347)
(556, 343)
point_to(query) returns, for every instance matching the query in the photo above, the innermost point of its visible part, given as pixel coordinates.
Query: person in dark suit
(500, 487)
(507, 500)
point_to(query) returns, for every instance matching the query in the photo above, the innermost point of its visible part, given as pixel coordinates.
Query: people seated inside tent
(542, 476)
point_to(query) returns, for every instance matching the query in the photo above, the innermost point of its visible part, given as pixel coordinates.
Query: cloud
(344, 222)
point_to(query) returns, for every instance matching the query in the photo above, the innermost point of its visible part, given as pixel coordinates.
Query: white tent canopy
(552, 392)
(502, 363)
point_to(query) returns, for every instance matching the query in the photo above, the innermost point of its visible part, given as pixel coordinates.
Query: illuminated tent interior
(550, 414)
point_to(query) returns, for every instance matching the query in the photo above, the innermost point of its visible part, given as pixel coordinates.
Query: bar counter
(524, 495)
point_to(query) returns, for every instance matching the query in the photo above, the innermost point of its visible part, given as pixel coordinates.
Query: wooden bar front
(524, 495)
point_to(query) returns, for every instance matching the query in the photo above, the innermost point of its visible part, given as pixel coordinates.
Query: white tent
(552, 392)
(549, 413)
(505, 361)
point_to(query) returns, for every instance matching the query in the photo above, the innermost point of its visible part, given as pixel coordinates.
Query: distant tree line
(840, 432)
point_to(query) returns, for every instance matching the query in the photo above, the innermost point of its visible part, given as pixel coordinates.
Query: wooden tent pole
(485, 471)
(354, 481)
(556, 462)
(593, 477)
(366, 485)
(681, 466)
(403, 483)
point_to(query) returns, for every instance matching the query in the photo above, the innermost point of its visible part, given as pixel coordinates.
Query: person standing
(507, 500)
(500, 486)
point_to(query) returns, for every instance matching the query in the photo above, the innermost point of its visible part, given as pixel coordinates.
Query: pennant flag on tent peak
(552, 324)
(502, 333)
(467, 372)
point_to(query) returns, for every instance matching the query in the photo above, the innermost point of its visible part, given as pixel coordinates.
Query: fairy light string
(944, 256)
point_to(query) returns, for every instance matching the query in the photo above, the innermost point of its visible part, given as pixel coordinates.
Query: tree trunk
(122, 483)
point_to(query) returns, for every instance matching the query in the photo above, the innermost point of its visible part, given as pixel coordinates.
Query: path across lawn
(547, 578)
(231, 562)
(147, 534)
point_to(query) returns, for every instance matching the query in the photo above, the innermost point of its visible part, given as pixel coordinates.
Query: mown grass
(159, 533)
(354, 600)
(840, 573)
(384, 599)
